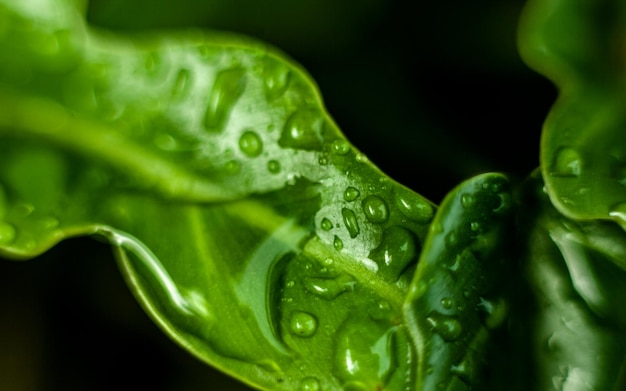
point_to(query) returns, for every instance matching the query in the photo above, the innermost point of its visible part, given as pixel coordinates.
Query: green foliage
(264, 243)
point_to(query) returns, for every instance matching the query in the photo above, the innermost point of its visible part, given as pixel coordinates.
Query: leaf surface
(247, 226)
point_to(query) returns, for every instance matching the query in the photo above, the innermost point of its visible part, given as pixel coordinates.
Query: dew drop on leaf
(301, 131)
(467, 200)
(310, 384)
(303, 324)
(338, 243)
(250, 144)
(351, 194)
(375, 209)
(566, 163)
(7, 233)
(229, 85)
(326, 224)
(329, 288)
(349, 219)
(340, 147)
(448, 327)
(447, 303)
(181, 83)
(395, 252)
(232, 167)
(413, 206)
(273, 166)
(277, 78)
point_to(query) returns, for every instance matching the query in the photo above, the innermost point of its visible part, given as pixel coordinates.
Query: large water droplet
(413, 206)
(396, 251)
(181, 83)
(229, 85)
(375, 209)
(349, 219)
(273, 166)
(302, 131)
(340, 147)
(448, 327)
(7, 233)
(329, 288)
(351, 194)
(277, 78)
(303, 324)
(250, 143)
(365, 352)
(310, 384)
(566, 163)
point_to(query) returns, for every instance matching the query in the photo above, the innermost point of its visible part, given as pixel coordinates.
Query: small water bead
(250, 143)
(396, 251)
(361, 158)
(566, 163)
(326, 224)
(447, 303)
(310, 384)
(467, 200)
(7, 233)
(375, 209)
(232, 167)
(322, 160)
(448, 327)
(290, 284)
(165, 142)
(351, 194)
(338, 243)
(303, 324)
(340, 147)
(475, 226)
(273, 166)
(228, 87)
(413, 206)
(181, 83)
(349, 219)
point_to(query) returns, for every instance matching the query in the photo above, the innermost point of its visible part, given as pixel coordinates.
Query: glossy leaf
(456, 300)
(247, 226)
(580, 46)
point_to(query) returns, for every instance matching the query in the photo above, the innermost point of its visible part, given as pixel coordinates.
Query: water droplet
(364, 352)
(566, 163)
(49, 222)
(340, 147)
(24, 209)
(303, 324)
(351, 194)
(273, 166)
(7, 233)
(475, 226)
(229, 85)
(467, 200)
(302, 130)
(447, 303)
(361, 158)
(375, 209)
(338, 243)
(322, 160)
(329, 288)
(349, 219)
(396, 251)
(250, 143)
(290, 284)
(448, 327)
(310, 384)
(277, 78)
(326, 224)
(232, 167)
(181, 83)
(165, 142)
(413, 206)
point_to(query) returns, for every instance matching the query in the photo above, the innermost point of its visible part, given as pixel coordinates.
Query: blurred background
(433, 93)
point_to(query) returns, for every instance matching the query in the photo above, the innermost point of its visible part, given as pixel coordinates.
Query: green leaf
(580, 45)
(457, 300)
(246, 225)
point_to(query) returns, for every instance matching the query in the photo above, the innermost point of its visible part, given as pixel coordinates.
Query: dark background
(433, 92)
